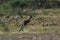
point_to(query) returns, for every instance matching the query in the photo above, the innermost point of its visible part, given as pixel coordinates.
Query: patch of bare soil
(30, 36)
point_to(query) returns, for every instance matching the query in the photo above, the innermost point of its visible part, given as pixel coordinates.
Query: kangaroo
(25, 22)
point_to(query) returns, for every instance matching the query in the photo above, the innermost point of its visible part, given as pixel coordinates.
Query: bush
(5, 28)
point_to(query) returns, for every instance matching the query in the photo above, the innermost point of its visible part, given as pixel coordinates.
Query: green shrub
(5, 28)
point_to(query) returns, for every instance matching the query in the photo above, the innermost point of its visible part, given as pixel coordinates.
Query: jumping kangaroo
(25, 22)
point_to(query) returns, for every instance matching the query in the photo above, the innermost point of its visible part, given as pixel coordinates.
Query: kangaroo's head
(30, 17)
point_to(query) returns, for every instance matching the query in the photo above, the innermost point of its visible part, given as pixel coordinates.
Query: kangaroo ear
(30, 16)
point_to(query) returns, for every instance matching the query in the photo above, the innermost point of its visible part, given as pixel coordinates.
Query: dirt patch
(30, 36)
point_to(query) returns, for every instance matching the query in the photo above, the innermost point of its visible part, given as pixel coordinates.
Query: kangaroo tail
(21, 29)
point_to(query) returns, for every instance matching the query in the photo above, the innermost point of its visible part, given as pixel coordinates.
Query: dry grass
(36, 24)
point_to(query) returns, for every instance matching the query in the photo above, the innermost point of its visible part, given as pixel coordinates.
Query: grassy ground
(37, 27)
